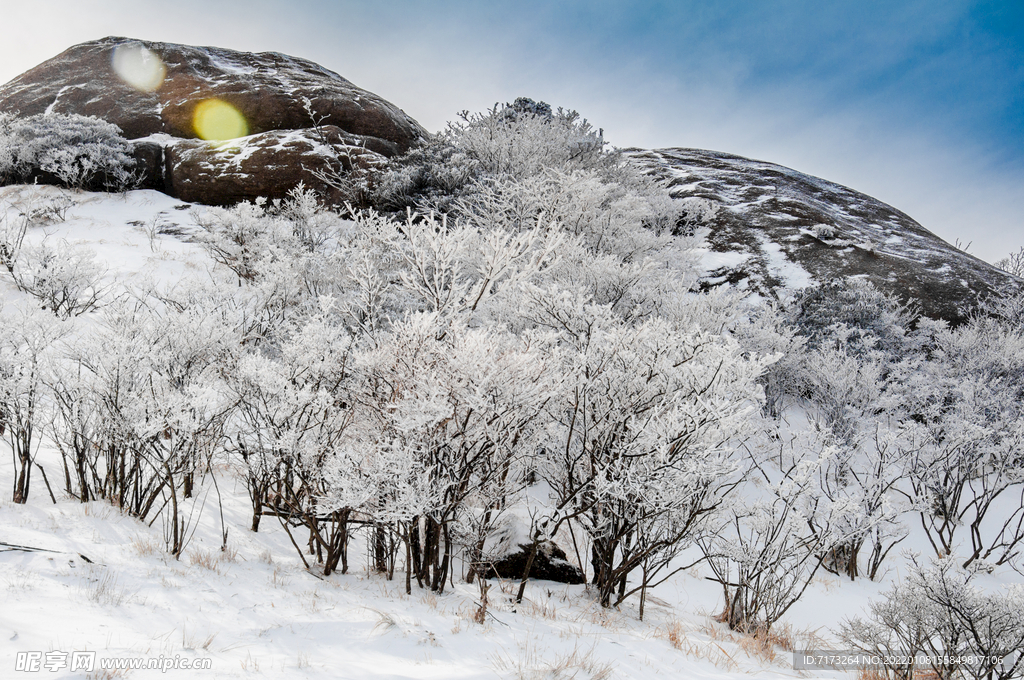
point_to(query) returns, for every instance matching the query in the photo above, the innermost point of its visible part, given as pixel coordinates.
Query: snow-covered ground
(253, 610)
(80, 577)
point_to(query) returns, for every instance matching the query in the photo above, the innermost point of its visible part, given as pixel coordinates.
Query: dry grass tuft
(279, 578)
(539, 610)
(536, 664)
(758, 646)
(385, 620)
(189, 641)
(711, 650)
(144, 546)
(675, 634)
(107, 590)
(765, 645)
(430, 599)
(205, 559)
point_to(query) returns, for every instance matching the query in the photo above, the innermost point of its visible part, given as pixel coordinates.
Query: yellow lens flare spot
(216, 120)
(139, 66)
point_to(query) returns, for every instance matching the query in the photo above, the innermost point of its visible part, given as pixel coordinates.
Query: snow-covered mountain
(779, 228)
(774, 228)
(210, 411)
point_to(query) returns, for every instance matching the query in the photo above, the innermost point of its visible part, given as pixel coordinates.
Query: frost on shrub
(1013, 264)
(435, 172)
(7, 157)
(937, 615)
(874, 319)
(771, 538)
(67, 280)
(12, 237)
(965, 437)
(695, 212)
(77, 151)
(517, 141)
(25, 340)
(524, 106)
(525, 138)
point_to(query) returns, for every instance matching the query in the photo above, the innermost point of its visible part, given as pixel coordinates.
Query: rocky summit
(217, 126)
(776, 229)
(166, 95)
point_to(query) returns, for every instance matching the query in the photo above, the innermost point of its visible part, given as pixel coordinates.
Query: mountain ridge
(788, 223)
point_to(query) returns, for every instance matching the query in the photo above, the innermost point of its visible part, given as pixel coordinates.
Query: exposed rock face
(269, 90)
(268, 164)
(777, 228)
(550, 564)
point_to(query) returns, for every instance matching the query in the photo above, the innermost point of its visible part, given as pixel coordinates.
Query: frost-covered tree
(641, 433)
(146, 384)
(292, 408)
(521, 141)
(76, 427)
(13, 229)
(465, 271)
(66, 279)
(773, 535)
(285, 255)
(625, 216)
(943, 623)
(849, 376)
(1013, 263)
(514, 141)
(25, 342)
(434, 172)
(865, 317)
(456, 405)
(966, 436)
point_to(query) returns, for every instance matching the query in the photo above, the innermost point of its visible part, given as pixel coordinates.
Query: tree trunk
(526, 570)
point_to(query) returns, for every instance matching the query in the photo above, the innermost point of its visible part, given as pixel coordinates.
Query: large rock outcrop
(549, 564)
(152, 92)
(777, 229)
(267, 164)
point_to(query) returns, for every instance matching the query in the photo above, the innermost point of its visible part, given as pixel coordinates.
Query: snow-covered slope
(83, 577)
(779, 228)
(94, 580)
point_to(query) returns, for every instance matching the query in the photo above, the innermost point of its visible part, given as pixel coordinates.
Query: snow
(712, 260)
(255, 612)
(229, 66)
(117, 228)
(794, 276)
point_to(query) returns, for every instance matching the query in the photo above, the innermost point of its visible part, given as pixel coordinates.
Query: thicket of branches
(527, 346)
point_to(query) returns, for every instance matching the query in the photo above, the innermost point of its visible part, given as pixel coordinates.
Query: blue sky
(920, 104)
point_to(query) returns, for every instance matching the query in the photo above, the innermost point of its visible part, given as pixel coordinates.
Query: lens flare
(139, 66)
(217, 120)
